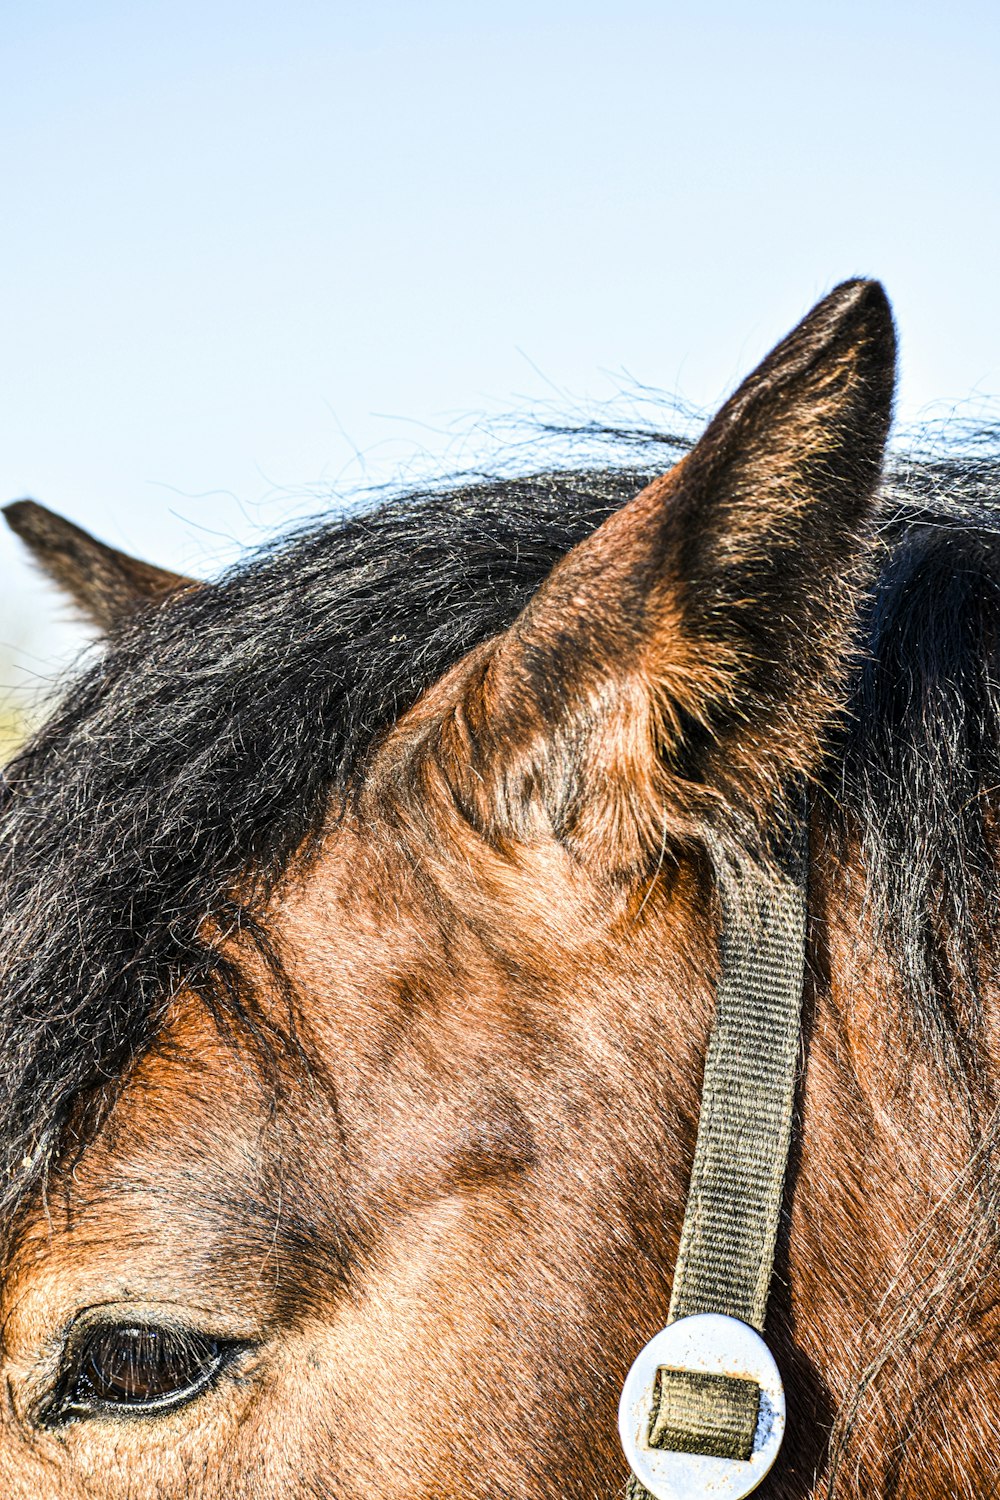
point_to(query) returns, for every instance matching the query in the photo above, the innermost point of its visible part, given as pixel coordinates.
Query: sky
(256, 257)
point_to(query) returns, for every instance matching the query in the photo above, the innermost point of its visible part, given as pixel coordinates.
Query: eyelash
(136, 1369)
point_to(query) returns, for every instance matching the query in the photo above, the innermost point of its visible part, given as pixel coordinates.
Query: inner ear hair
(108, 587)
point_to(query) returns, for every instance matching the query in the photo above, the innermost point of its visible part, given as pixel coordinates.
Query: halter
(702, 1412)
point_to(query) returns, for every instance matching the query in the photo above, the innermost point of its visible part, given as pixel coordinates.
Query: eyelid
(181, 1319)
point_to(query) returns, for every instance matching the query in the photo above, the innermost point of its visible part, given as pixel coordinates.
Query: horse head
(361, 941)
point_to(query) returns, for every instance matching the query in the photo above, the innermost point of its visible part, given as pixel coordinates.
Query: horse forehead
(429, 893)
(349, 900)
(195, 1099)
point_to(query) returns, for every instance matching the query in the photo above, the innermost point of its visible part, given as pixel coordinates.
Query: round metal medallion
(708, 1343)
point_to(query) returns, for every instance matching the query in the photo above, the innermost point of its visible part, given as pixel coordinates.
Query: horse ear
(684, 662)
(107, 586)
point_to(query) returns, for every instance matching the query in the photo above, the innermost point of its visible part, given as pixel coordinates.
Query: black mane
(209, 738)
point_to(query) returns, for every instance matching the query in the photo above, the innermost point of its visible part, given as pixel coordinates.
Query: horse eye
(136, 1367)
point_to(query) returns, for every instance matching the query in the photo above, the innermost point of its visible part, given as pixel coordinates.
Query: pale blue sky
(243, 242)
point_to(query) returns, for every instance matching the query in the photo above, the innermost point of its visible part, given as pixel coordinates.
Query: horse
(361, 924)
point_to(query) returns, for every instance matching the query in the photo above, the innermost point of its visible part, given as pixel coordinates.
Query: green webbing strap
(697, 1413)
(730, 1226)
(734, 1201)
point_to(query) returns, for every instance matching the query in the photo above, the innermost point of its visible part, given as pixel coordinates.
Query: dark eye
(136, 1367)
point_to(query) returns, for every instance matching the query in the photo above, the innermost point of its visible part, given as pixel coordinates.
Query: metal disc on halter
(712, 1344)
